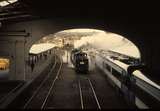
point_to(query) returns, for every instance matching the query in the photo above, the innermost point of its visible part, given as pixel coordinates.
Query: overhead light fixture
(4, 3)
(7, 2)
(12, 1)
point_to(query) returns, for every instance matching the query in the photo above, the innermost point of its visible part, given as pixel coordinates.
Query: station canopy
(40, 48)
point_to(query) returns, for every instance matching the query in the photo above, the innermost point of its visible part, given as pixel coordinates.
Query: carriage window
(116, 74)
(108, 67)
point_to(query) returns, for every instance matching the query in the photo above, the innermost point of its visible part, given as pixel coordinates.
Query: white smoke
(100, 40)
(66, 59)
(110, 41)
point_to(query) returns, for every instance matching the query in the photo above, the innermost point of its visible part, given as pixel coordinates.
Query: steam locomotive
(80, 60)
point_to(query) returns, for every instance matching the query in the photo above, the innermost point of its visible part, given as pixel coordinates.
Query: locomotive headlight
(81, 62)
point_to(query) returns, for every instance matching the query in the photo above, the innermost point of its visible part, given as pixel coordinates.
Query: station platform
(10, 87)
(39, 67)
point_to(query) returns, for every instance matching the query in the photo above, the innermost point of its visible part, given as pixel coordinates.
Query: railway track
(55, 93)
(39, 98)
(11, 92)
(88, 97)
(30, 89)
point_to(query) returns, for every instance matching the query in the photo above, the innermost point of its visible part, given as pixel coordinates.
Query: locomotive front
(80, 61)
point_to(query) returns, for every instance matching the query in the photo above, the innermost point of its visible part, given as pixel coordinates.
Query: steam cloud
(110, 41)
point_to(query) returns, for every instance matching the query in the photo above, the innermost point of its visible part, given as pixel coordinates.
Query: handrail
(151, 82)
(152, 88)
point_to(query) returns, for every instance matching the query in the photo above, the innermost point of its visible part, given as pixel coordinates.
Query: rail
(84, 103)
(53, 83)
(38, 88)
(148, 85)
(11, 92)
(9, 102)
